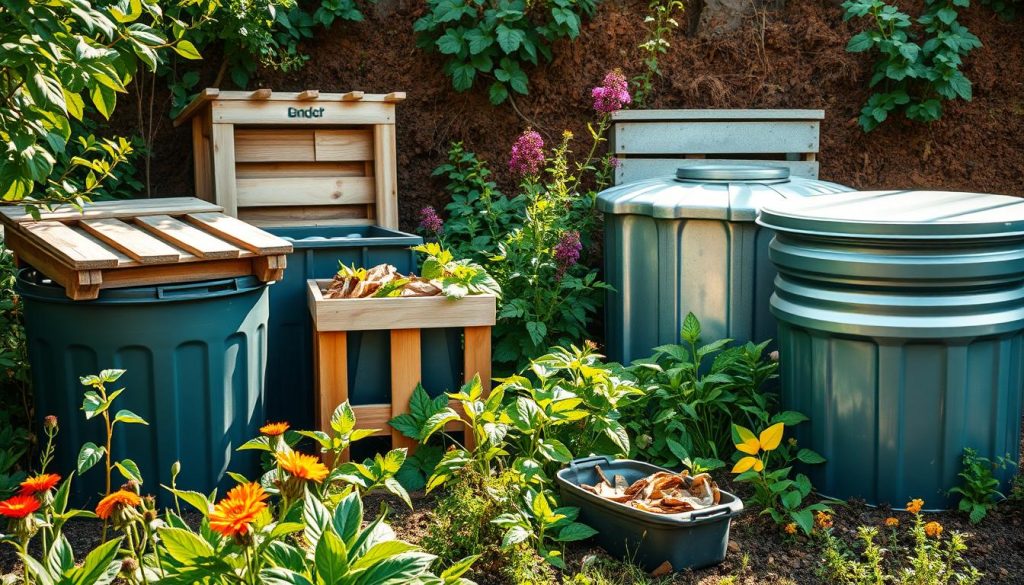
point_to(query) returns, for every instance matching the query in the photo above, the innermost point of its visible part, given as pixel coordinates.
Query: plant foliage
(979, 487)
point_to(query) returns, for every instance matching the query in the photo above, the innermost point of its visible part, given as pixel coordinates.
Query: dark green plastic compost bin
(689, 243)
(290, 375)
(900, 330)
(690, 540)
(194, 356)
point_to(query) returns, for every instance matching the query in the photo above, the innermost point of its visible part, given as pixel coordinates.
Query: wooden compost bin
(404, 317)
(654, 143)
(305, 158)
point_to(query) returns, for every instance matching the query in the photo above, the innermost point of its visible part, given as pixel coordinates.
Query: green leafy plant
(930, 560)
(543, 526)
(660, 22)
(458, 278)
(766, 463)
(495, 39)
(689, 407)
(979, 489)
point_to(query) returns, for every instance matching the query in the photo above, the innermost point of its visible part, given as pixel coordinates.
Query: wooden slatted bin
(118, 244)
(405, 317)
(278, 159)
(654, 143)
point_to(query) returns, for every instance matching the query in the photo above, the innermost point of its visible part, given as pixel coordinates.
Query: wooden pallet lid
(114, 244)
(715, 114)
(212, 94)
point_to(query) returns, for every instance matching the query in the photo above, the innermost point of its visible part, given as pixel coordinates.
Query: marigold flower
(791, 528)
(116, 500)
(914, 506)
(892, 522)
(527, 154)
(274, 429)
(933, 529)
(18, 506)
(39, 483)
(242, 505)
(302, 466)
(613, 93)
(823, 520)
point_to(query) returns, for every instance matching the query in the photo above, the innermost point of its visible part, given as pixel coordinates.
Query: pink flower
(527, 154)
(431, 222)
(613, 93)
(567, 251)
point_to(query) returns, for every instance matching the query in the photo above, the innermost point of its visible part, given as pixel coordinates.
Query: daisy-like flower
(18, 506)
(305, 467)
(39, 483)
(914, 506)
(233, 515)
(892, 522)
(933, 529)
(791, 528)
(274, 429)
(117, 501)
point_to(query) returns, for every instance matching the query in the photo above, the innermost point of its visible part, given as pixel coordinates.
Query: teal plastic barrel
(317, 253)
(194, 356)
(900, 330)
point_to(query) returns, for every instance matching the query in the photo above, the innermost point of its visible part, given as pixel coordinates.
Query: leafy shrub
(688, 409)
(660, 22)
(979, 490)
(494, 39)
(931, 560)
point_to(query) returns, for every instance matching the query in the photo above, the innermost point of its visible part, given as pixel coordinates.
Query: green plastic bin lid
(33, 284)
(899, 215)
(727, 192)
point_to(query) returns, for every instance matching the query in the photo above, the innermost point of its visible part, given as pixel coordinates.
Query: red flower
(39, 484)
(18, 506)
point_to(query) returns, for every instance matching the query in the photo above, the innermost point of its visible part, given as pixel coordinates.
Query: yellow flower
(933, 529)
(748, 463)
(117, 500)
(791, 528)
(914, 506)
(892, 522)
(274, 429)
(302, 466)
(823, 520)
(242, 505)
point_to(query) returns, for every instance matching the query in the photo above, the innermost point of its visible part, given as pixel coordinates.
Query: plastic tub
(686, 541)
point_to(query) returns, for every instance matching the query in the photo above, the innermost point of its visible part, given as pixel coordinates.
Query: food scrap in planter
(662, 492)
(382, 280)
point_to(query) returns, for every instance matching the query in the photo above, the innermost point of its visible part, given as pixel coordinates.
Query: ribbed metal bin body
(689, 244)
(900, 330)
(194, 357)
(290, 375)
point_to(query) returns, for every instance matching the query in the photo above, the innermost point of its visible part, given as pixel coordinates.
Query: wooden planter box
(654, 143)
(297, 158)
(404, 317)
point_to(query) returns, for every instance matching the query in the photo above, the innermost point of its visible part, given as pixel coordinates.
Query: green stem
(24, 552)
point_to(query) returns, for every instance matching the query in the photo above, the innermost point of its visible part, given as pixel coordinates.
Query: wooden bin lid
(116, 244)
(263, 95)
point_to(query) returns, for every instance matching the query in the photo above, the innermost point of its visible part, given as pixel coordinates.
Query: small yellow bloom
(748, 463)
(914, 506)
(791, 528)
(823, 520)
(274, 429)
(933, 529)
(302, 466)
(892, 522)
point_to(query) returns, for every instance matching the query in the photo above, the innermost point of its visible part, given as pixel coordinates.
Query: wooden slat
(156, 274)
(352, 96)
(638, 169)
(374, 416)
(386, 173)
(306, 214)
(344, 145)
(305, 191)
(266, 145)
(309, 94)
(300, 169)
(222, 142)
(203, 173)
(271, 222)
(196, 104)
(103, 209)
(274, 111)
(477, 361)
(69, 246)
(405, 376)
(240, 233)
(187, 237)
(262, 93)
(331, 377)
(394, 313)
(715, 137)
(395, 97)
(79, 285)
(712, 114)
(132, 241)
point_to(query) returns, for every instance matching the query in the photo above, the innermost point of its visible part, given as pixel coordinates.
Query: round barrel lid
(899, 215)
(730, 173)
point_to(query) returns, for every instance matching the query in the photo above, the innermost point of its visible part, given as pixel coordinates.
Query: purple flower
(614, 162)
(613, 93)
(430, 221)
(527, 154)
(567, 251)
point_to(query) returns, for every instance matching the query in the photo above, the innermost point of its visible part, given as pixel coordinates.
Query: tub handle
(196, 288)
(711, 513)
(586, 462)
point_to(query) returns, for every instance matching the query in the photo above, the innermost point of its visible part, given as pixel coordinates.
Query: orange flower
(790, 528)
(914, 506)
(933, 529)
(233, 515)
(302, 466)
(823, 520)
(39, 483)
(120, 498)
(892, 522)
(274, 429)
(18, 506)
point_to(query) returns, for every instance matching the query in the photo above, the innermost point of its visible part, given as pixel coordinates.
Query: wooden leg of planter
(477, 360)
(405, 375)
(331, 376)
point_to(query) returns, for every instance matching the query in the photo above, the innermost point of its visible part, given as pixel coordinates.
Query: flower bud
(131, 486)
(50, 423)
(129, 565)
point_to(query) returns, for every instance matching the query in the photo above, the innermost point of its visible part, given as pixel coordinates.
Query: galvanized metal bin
(900, 329)
(689, 243)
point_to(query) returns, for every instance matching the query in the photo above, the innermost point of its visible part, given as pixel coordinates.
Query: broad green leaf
(343, 420)
(331, 558)
(89, 455)
(130, 470)
(129, 417)
(575, 531)
(187, 50)
(184, 546)
(280, 576)
(348, 517)
(809, 457)
(555, 450)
